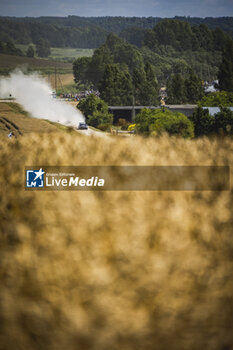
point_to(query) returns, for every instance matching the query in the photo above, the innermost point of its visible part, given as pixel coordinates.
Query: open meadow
(114, 270)
(64, 54)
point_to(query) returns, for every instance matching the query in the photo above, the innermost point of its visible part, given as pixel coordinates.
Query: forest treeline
(171, 46)
(120, 70)
(58, 36)
(187, 50)
(91, 32)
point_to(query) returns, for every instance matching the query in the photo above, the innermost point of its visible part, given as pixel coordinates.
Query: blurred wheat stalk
(114, 270)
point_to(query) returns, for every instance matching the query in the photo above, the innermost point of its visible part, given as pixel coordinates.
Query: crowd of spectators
(79, 95)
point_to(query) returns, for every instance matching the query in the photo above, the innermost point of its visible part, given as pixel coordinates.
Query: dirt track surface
(14, 119)
(91, 132)
(10, 126)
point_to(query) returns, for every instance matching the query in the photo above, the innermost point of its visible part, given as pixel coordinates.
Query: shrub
(121, 121)
(217, 99)
(91, 104)
(224, 121)
(158, 122)
(95, 111)
(103, 127)
(100, 118)
(204, 123)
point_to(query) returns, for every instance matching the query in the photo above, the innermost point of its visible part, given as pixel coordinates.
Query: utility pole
(133, 110)
(55, 83)
(61, 83)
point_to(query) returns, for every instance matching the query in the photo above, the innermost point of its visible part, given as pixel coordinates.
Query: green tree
(80, 69)
(100, 119)
(224, 121)
(102, 56)
(92, 104)
(219, 37)
(2, 47)
(124, 53)
(43, 48)
(133, 35)
(176, 89)
(113, 51)
(144, 120)
(10, 49)
(225, 73)
(116, 86)
(217, 99)
(145, 86)
(30, 51)
(151, 90)
(150, 39)
(180, 66)
(139, 80)
(95, 111)
(194, 88)
(204, 36)
(157, 122)
(204, 123)
(175, 33)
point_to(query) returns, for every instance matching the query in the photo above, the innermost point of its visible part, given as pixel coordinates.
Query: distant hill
(89, 32)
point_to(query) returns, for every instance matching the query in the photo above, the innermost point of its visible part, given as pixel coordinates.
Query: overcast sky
(139, 8)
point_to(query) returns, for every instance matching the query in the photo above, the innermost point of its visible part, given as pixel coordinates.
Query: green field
(63, 54)
(69, 54)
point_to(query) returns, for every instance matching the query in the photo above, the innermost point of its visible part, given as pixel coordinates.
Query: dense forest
(135, 60)
(120, 70)
(30, 32)
(171, 48)
(91, 32)
(9, 48)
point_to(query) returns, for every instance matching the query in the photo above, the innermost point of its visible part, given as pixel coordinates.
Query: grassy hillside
(9, 62)
(114, 270)
(14, 119)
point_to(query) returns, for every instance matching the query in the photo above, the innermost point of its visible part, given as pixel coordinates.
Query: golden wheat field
(114, 270)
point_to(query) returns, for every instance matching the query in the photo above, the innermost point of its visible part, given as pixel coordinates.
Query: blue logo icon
(35, 178)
